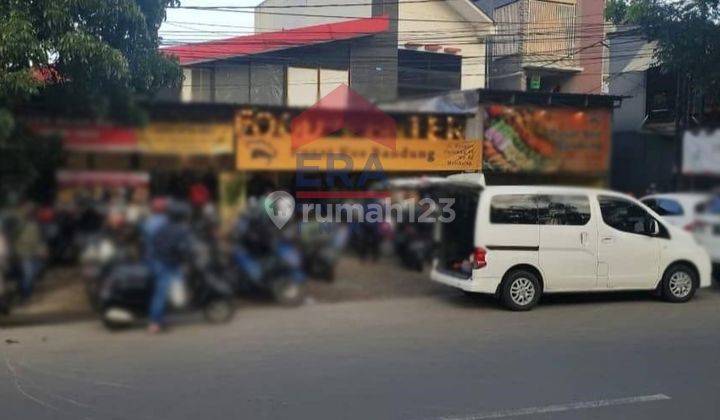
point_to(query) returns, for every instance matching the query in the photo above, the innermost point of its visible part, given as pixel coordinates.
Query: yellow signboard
(186, 138)
(424, 143)
(333, 153)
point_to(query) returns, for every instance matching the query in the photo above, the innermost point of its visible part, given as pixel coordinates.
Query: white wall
(186, 89)
(302, 86)
(459, 33)
(275, 22)
(306, 86)
(332, 79)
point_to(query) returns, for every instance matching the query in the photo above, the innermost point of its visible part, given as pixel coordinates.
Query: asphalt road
(446, 356)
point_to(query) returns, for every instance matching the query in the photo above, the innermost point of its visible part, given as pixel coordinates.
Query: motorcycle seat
(134, 276)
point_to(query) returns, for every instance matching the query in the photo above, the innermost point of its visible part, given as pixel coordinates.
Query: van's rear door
(456, 237)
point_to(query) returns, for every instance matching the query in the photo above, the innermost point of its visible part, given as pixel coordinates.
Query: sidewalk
(60, 296)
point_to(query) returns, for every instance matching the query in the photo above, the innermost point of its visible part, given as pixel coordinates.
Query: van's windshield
(457, 237)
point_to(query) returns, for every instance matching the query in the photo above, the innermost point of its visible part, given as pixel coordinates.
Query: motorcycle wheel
(288, 292)
(113, 324)
(219, 311)
(324, 270)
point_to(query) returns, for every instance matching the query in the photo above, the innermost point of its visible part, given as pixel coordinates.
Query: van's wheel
(219, 311)
(288, 292)
(679, 283)
(520, 290)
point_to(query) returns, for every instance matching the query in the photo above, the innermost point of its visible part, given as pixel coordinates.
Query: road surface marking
(557, 408)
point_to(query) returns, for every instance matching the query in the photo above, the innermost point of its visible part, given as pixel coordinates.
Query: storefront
(346, 150)
(182, 146)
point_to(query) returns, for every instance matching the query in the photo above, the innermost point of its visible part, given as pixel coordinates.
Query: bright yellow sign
(355, 154)
(186, 138)
(424, 143)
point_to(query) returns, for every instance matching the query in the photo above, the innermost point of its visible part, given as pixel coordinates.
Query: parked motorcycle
(322, 245)
(277, 273)
(96, 260)
(127, 290)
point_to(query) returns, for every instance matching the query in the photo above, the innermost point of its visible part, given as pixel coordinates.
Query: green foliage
(80, 58)
(687, 32)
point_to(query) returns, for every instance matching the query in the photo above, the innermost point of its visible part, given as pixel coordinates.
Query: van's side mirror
(653, 227)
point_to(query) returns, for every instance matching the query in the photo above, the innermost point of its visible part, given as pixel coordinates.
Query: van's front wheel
(679, 284)
(520, 290)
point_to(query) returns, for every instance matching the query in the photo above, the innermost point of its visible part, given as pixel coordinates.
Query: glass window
(514, 209)
(664, 206)
(567, 210)
(712, 206)
(626, 216)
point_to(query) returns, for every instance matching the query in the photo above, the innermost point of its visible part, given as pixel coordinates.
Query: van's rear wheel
(520, 290)
(679, 283)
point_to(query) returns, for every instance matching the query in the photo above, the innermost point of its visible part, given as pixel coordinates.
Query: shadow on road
(468, 300)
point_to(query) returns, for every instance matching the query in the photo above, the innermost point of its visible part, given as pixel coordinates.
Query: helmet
(159, 204)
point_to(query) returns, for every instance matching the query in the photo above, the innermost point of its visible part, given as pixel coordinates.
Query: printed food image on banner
(546, 140)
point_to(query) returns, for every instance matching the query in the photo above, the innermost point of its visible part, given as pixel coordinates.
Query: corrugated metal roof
(273, 41)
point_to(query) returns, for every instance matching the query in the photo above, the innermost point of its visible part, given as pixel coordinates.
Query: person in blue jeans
(151, 226)
(171, 248)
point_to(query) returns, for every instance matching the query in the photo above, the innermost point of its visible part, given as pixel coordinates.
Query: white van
(518, 242)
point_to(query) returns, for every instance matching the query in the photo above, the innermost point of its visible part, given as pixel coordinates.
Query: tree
(687, 33)
(688, 46)
(83, 58)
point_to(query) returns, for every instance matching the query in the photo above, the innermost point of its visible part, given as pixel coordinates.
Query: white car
(679, 209)
(707, 229)
(519, 242)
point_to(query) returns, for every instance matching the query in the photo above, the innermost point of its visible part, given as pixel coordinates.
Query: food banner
(701, 152)
(421, 143)
(186, 138)
(546, 140)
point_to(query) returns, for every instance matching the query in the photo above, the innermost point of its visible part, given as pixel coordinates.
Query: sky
(187, 25)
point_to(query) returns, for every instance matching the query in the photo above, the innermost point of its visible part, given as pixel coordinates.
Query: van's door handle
(608, 240)
(583, 238)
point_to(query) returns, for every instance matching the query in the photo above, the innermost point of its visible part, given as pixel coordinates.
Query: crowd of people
(32, 236)
(156, 231)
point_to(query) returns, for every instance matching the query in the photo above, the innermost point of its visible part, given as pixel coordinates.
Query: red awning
(91, 137)
(274, 41)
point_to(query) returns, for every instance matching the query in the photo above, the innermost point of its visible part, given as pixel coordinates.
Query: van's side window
(567, 210)
(625, 215)
(514, 209)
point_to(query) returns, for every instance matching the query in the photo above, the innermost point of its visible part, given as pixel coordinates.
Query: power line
(261, 12)
(258, 9)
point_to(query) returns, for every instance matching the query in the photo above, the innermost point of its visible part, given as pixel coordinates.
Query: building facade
(430, 38)
(550, 46)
